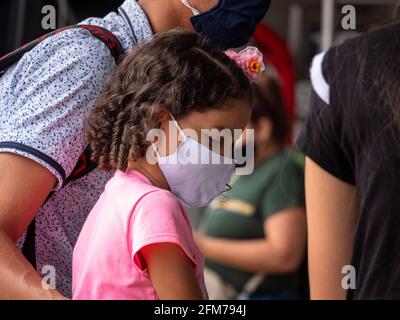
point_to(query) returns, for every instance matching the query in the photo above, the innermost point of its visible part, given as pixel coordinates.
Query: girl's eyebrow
(207, 130)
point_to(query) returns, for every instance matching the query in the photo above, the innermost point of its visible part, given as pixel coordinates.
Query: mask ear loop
(187, 4)
(179, 129)
(223, 195)
(177, 126)
(155, 150)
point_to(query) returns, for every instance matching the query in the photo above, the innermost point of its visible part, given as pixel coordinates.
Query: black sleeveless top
(353, 132)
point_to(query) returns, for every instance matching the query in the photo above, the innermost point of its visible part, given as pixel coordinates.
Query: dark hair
(269, 103)
(178, 71)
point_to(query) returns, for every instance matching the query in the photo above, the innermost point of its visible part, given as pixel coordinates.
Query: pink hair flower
(250, 60)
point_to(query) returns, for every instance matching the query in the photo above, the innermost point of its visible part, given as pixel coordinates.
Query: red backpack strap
(100, 33)
(108, 38)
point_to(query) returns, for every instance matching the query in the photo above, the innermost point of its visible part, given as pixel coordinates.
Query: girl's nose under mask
(195, 174)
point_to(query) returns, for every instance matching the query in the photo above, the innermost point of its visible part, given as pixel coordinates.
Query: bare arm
(171, 272)
(24, 186)
(331, 217)
(282, 251)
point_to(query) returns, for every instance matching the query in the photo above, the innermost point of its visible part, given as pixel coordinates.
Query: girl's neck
(151, 172)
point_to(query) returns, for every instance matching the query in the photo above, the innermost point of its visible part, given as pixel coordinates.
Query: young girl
(137, 241)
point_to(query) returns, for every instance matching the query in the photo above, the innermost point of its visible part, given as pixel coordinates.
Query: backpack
(84, 165)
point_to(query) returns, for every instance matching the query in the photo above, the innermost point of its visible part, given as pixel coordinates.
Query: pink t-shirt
(130, 214)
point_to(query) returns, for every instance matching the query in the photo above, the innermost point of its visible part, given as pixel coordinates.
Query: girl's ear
(163, 118)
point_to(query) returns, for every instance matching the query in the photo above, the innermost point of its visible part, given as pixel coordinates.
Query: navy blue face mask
(231, 23)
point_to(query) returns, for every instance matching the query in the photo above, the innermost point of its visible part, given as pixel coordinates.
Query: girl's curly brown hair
(178, 71)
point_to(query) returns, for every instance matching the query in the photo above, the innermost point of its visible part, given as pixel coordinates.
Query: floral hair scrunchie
(250, 60)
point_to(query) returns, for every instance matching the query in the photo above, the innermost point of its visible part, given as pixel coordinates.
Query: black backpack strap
(85, 165)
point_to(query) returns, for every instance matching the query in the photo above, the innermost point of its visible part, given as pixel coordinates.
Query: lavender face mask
(195, 174)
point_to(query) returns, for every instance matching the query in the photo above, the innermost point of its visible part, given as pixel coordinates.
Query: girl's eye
(214, 144)
(217, 145)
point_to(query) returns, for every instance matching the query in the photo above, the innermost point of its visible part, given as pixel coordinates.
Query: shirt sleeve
(159, 218)
(50, 90)
(324, 137)
(285, 190)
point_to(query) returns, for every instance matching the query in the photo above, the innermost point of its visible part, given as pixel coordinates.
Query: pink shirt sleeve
(159, 218)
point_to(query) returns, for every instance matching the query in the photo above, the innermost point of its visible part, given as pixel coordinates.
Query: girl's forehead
(233, 116)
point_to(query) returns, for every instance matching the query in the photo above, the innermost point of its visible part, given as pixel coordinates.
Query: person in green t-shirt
(254, 238)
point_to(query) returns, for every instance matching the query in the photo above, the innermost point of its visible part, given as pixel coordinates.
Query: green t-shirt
(276, 184)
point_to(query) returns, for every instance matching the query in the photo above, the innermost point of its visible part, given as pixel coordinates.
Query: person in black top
(351, 140)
